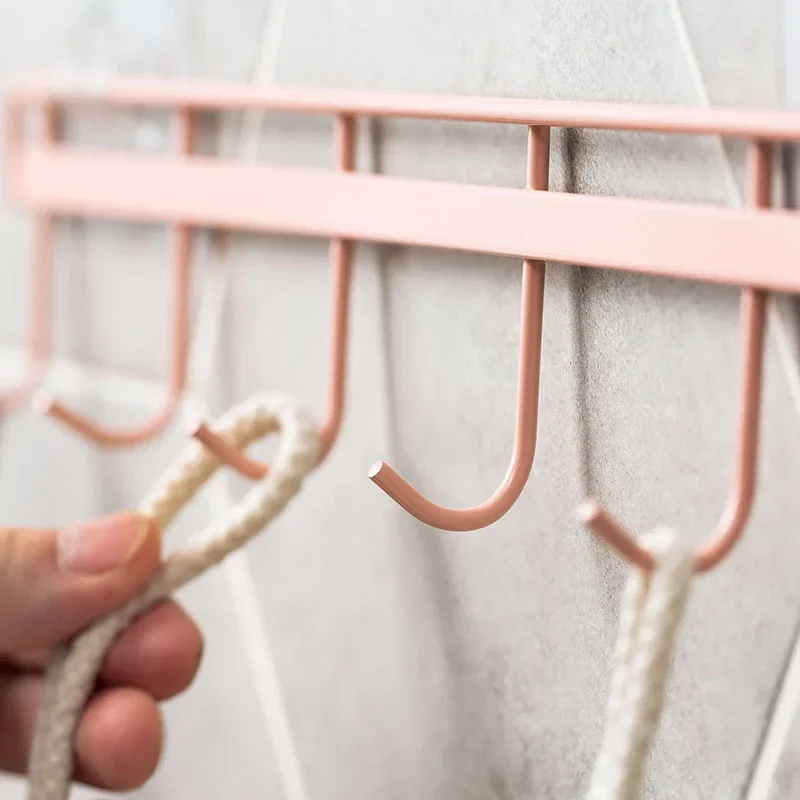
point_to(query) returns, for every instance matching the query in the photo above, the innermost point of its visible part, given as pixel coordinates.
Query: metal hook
(341, 259)
(181, 259)
(530, 351)
(41, 283)
(740, 502)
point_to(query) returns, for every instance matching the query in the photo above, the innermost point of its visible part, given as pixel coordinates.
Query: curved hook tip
(589, 512)
(227, 453)
(389, 480)
(43, 402)
(375, 471)
(602, 524)
(196, 429)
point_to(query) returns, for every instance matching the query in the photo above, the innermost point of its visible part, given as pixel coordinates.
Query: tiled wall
(415, 664)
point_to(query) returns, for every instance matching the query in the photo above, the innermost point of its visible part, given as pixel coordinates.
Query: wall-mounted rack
(710, 243)
(757, 248)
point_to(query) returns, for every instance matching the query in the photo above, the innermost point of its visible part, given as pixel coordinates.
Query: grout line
(71, 377)
(777, 320)
(784, 708)
(778, 728)
(252, 627)
(245, 139)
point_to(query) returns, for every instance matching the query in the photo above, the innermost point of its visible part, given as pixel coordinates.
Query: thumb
(55, 582)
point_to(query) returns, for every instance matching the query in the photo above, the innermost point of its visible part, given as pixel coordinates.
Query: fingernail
(103, 544)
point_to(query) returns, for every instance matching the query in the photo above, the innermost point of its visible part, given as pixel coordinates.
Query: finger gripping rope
(652, 609)
(71, 676)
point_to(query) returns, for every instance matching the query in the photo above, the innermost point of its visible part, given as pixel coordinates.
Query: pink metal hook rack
(754, 248)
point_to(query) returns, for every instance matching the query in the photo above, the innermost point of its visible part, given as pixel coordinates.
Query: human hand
(53, 584)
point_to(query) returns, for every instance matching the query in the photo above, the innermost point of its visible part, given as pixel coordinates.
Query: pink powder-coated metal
(341, 258)
(755, 248)
(764, 125)
(681, 240)
(530, 354)
(181, 261)
(740, 503)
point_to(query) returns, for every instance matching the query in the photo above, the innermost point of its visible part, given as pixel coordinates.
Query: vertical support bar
(42, 294)
(341, 259)
(181, 259)
(531, 315)
(752, 314)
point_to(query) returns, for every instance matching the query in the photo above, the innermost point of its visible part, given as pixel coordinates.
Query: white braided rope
(652, 609)
(70, 678)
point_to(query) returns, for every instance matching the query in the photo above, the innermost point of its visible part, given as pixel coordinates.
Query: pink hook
(341, 258)
(469, 519)
(740, 503)
(181, 259)
(41, 279)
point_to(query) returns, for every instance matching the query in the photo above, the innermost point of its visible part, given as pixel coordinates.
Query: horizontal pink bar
(711, 243)
(765, 124)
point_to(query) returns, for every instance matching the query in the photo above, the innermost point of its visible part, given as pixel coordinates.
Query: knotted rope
(71, 676)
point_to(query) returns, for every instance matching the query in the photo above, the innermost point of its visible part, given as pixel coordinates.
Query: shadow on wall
(581, 277)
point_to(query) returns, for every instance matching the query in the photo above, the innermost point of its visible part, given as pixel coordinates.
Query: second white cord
(652, 609)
